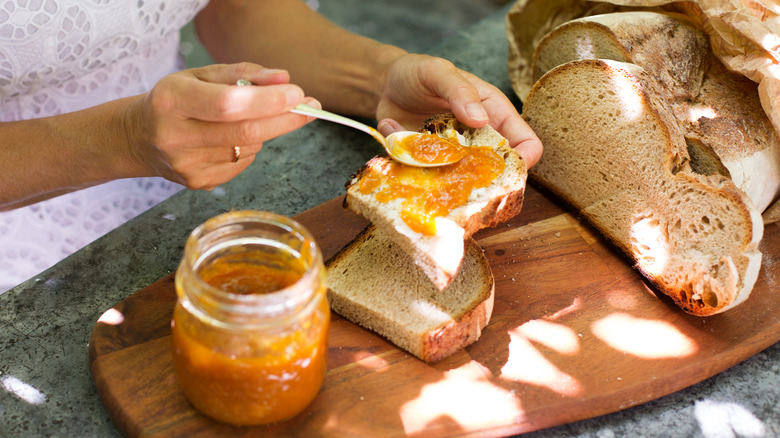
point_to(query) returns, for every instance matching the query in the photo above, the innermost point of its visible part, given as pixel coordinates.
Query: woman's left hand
(419, 86)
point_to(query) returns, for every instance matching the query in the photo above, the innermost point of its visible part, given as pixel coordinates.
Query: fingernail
(383, 126)
(312, 102)
(294, 96)
(476, 112)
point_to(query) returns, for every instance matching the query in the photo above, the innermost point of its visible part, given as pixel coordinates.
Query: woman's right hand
(187, 127)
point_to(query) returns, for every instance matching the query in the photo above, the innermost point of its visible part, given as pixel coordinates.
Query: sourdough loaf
(440, 255)
(725, 127)
(376, 285)
(616, 152)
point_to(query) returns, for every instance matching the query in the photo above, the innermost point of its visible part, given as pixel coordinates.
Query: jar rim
(265, 305)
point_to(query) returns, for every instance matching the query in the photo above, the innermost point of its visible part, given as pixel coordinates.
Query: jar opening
(250, 265)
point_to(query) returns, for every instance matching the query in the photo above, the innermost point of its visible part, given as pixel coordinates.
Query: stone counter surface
(45, 324)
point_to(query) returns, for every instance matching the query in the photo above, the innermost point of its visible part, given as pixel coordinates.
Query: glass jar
(249, 330)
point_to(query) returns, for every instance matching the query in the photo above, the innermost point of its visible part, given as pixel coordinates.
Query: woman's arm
(344, 71)
(185, 129)
(43, 158)
(355, 75)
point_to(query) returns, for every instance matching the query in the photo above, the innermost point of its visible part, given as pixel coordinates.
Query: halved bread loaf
(725, 126)
(439, 255)
(615, 151)
(376, 285)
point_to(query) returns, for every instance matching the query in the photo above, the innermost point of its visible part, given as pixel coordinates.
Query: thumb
(388, 126)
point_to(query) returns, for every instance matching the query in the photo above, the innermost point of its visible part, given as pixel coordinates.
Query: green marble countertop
(45, 324)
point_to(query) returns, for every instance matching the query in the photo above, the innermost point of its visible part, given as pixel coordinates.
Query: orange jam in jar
(430, 192)
(249, 330)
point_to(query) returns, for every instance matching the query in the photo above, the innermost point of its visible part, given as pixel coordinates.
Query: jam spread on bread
(431, 192)
(432, 149)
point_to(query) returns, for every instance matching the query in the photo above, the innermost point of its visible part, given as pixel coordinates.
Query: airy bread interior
(616, 152)
(375, 284)
(440, 255)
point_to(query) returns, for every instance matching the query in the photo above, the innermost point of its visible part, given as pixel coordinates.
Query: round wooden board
(575, 333)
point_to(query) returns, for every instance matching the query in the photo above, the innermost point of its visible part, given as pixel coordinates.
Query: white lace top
(58, 56)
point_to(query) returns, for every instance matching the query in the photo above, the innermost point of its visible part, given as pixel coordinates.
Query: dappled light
(23, 390)
(631, 106)
(723, 419)
(697, 112)
(584, 48)
(555, 336)
(575, 305)
(465, 396)
(649, 242)
(429, 311)
(112, 317)
(371, 362)
(528, 365)
(644, 338)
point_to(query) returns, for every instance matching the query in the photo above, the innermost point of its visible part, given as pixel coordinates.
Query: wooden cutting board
(575, 333)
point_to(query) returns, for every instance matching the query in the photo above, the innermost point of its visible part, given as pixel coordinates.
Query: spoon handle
(307, 110)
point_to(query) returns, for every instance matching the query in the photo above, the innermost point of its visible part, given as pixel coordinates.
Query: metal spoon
(392, 144)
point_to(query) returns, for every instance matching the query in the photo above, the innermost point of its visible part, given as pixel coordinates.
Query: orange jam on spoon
(430, 148)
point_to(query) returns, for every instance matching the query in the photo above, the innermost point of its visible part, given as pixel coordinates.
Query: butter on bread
(439, 255)
(616, 152)
(374, 284)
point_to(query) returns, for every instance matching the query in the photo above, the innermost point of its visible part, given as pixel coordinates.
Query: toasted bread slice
(375, 284)
(615, 151)
(725, 126)
(439, 255)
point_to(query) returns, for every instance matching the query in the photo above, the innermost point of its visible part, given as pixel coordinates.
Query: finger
(523, 139)
(208, 101)
(453, 85)
(505, 119)
(229, 74)
(244, 132)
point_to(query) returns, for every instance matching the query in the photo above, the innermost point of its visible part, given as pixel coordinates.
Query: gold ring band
(236, 153)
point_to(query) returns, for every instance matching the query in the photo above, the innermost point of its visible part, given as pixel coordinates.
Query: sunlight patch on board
(528, 365)
(644, 338)
(465, 396)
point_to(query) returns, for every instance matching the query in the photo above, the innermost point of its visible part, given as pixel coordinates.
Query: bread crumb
(558, 234)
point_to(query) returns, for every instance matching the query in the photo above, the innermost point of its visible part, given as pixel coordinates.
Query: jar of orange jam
(249, 330)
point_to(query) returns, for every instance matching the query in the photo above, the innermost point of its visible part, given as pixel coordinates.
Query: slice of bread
(615, 151)
(375, 284)
(439, 255)
(725, 126)
(668, 47)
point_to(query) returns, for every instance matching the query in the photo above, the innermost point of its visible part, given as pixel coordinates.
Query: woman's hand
(188, 126)
(419, 86)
